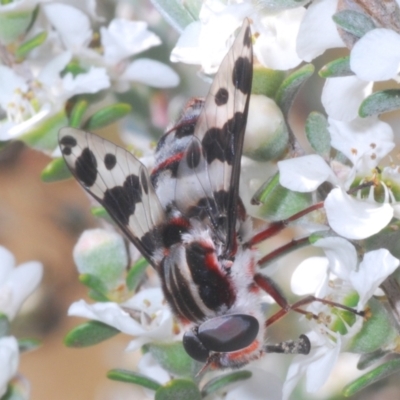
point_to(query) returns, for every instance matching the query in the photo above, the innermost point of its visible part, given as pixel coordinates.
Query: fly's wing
(208, 175)
(120, 183)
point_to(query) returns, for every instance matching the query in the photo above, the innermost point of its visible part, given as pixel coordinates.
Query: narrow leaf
(380, 102)
(136, 273)
(336, 68)
(30, 44)
(354, 22)
(173, 358)
(94, 283)
(178, 389)
(291, 85)
(318, 135)
(371, 377)
(124, 375)
(79, 109)
(376, 332)
(107, 116)
(277, 202)
(55, 171)
(266, 81)
(174, 13)
(89, 334)
(221, 381)
(367, 360)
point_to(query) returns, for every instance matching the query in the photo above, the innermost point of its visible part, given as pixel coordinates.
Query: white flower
(124, 38)
(342, 97)
(340, 262)
(16, 283)
(155, 316)
(375, 56)
(318, 32)
(9, 360)
(206, 42)
(355, 219)
(317, 366)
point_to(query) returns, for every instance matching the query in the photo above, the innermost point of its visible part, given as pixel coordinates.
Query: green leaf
(266, 81)
(136, 273)
(376, 332)
(77, 113)
(371, 377)
(367, 360)
(174, 13)
(101, 212)
(44, 135)
(277, 202)
(55, 171)
(221, 381)
(89, 334)
(13, 24)
(30, 45)
(26, 345)
(4, 325)
(318, 135)
(123, 375)
(107, 116)
(380, 102)
(16, 391)
(94, 283)
(173, 358)
(356, 23)
(291, 85)
(336, 68)
(280, 5)
(178, 389)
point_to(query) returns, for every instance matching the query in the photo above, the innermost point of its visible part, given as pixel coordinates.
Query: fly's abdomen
(194, 283)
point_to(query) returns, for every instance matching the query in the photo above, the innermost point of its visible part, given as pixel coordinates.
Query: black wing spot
(193, 155)
(66, 151)
(68, 141)
(221, 97)
(247, 38)
(241, 75)
(218, 144)
(172, 233)
(110, 161)
(143, 180)
(86, 167)
(120, 201)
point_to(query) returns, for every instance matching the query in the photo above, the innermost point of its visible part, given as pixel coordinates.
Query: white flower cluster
(16, 285)
(38, 87)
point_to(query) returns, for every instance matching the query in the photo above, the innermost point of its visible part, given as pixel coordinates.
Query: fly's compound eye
(194, 347)
(221, 334)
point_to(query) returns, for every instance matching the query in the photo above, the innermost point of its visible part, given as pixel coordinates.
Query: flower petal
(152, 73)
(375, 57)
(376, 266)
(318, 32)
(309, 275)
(9, 360)
(364, 141)
(124, 38)
(304, 174)
(341, 254)
(355, 219)
(342, 96)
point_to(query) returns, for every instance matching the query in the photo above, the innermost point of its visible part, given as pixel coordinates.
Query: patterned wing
(120, 183)
(208, 175)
